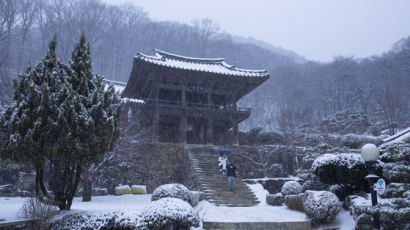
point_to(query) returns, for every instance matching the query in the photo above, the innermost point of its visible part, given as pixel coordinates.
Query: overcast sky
(316, 29)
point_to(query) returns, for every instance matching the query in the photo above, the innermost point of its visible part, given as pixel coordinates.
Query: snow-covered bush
(99, 220)
(82, 221)
(257, 136)
(172, 190)
(313, 139)
(291, 188)
(295, 202)
(394, 214)
(352, 141)
(345, 121)
(342, 190)
(122, 189)
(166, 212)
(343, 169)
(396, 190)
(312, 182)
(270, 138)
(139, 189)
(276, 170)
(396, 158)
(274, 199)
(321, 206)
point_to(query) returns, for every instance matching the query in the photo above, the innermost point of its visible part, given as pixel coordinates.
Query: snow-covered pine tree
(91, 124)
(28, 124)
(61, 116)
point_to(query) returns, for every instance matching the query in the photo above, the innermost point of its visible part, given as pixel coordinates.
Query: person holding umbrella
(222, 162)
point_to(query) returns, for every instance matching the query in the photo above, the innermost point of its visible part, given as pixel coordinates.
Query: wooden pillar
(210, 131)
(235, 134)
(182, 128)
(155, 125)
(202, 131)
(183, 95)
(183, 122)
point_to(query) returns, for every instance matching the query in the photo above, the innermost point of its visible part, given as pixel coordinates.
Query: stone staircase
(204, 160)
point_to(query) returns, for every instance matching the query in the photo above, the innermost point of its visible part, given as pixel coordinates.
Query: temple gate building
(188, 100)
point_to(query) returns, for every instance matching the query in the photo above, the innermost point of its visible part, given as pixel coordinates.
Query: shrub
(396, 190)
(172, 190)
(274, 199)
(351, 141)
(394, 214)
(291, 188)
(347, 169)
(270, 138)
(313, 183)
(98, 220)
(342, 190)
(313, 139)
(139, 189)
(396, 158)
(321, 206)
(345, 121)
(165, 212)
(34, 208)
(295, 202)
(86, 221)
(122, 189)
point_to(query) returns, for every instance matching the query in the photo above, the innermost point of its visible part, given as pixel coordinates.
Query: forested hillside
(297, 94)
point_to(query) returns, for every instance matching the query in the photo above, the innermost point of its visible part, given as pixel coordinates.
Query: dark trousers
(231, 183)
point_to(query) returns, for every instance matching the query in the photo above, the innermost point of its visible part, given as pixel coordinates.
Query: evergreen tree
(62, 117)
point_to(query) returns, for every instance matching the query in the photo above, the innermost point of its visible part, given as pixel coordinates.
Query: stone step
(237, 196)
(214, 184)
(297, 225)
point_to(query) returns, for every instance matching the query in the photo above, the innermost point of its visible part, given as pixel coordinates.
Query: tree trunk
(87, 191)
(74, 186)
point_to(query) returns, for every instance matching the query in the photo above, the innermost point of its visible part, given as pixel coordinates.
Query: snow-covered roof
(118, 86)
(132, 100)
(398, 137)
(211, 65)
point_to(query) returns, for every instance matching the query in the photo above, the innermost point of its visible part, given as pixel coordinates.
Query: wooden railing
(189, 105)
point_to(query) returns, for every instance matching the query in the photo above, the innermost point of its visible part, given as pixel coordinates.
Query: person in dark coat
(231, 173)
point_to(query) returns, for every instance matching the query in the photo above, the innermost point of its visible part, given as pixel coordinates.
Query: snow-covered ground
(10, 206)
(263, 212)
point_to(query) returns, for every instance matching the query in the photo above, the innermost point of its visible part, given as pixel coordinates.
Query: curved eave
(210, 65)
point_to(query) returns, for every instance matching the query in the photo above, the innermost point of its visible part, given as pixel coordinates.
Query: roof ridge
(185, 58)
(198, 64)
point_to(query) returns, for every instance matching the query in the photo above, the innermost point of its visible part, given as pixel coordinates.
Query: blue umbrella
(224, 150)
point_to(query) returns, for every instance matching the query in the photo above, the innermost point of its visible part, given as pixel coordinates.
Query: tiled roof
(211, 65)
(118, 86)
